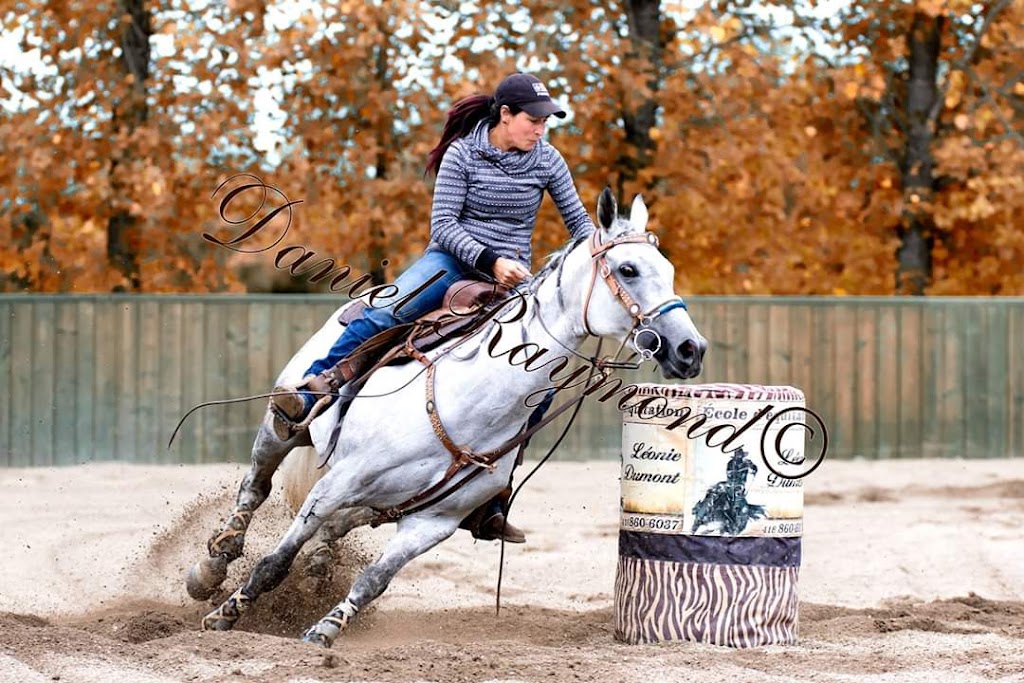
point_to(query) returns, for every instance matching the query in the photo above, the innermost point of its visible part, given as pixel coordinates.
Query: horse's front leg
(416, 535)
(226, 545)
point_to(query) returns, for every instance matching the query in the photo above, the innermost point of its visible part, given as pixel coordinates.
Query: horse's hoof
(214, 621)
(224, 617)
(315, 637)
(206, 576)
(221, 619)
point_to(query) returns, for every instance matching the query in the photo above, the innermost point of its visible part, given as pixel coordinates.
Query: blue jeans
(438, 268)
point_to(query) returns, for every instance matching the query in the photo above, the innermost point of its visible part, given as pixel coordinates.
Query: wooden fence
(107, 377)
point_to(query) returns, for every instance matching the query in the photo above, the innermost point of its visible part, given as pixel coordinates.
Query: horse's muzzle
(683, 361)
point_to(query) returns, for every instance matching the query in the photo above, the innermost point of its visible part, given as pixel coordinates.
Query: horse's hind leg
(226, 545)
(416, 535)
(320, 505)
(321, 559)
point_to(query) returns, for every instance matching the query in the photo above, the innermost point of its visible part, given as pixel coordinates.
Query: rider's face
(524, 131)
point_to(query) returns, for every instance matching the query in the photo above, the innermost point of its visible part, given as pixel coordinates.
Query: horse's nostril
(688, 351)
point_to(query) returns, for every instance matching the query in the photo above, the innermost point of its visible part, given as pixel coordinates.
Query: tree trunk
(378, 253)
(639, 115)
(916, 232)
(378, 240)
(123, 238)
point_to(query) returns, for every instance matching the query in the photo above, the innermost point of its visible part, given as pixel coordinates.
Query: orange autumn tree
(977, 192)
(706, 115)
(781, 150)
(111, 142)
(882, 160)
(765, 182)
(359, 116)
(938, 84)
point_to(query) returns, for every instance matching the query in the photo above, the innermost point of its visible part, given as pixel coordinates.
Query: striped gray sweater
(486, 200)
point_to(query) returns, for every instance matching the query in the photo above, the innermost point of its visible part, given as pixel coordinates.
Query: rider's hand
(510, 273)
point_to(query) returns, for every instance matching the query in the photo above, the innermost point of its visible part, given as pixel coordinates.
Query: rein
(461, 458)
(464, 456)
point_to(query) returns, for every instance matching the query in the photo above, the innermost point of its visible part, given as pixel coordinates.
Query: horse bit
(463, 456)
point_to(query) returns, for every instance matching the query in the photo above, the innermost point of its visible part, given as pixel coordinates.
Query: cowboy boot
(487, 522)
(496, 526)
(293, 408)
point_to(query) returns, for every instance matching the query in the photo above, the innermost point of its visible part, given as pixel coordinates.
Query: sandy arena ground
(912, 571)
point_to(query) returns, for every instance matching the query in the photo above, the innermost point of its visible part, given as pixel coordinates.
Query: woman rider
(492, 166)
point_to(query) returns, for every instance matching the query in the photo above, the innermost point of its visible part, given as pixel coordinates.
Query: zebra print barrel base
(718, 604)
(710, 526)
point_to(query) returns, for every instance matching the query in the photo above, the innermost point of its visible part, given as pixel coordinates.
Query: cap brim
(542, 109)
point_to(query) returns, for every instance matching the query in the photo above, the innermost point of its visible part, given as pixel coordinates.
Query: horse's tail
(298, 474)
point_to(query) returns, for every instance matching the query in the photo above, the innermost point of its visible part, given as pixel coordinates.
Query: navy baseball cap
(527, 93)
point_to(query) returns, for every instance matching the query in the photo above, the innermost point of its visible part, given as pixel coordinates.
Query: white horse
(391, 444)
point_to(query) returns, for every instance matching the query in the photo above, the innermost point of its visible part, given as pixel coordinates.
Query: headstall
(641, 319)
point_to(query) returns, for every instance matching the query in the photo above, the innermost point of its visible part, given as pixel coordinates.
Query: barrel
(710, 520)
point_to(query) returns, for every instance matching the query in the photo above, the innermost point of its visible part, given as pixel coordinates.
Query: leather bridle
(641, 319)
(464, 456)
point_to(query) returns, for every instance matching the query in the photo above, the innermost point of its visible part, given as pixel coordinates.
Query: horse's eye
(628, 270)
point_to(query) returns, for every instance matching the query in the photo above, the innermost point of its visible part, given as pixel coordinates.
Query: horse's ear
(638, 214)
(606, 209)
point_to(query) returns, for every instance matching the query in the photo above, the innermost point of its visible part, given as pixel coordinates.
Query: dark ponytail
(462, 119)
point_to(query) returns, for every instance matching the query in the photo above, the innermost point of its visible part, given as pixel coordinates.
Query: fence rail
(107, 377)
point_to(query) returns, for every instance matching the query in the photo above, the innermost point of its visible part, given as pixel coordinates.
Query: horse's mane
(619, 227)
(553, 263)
